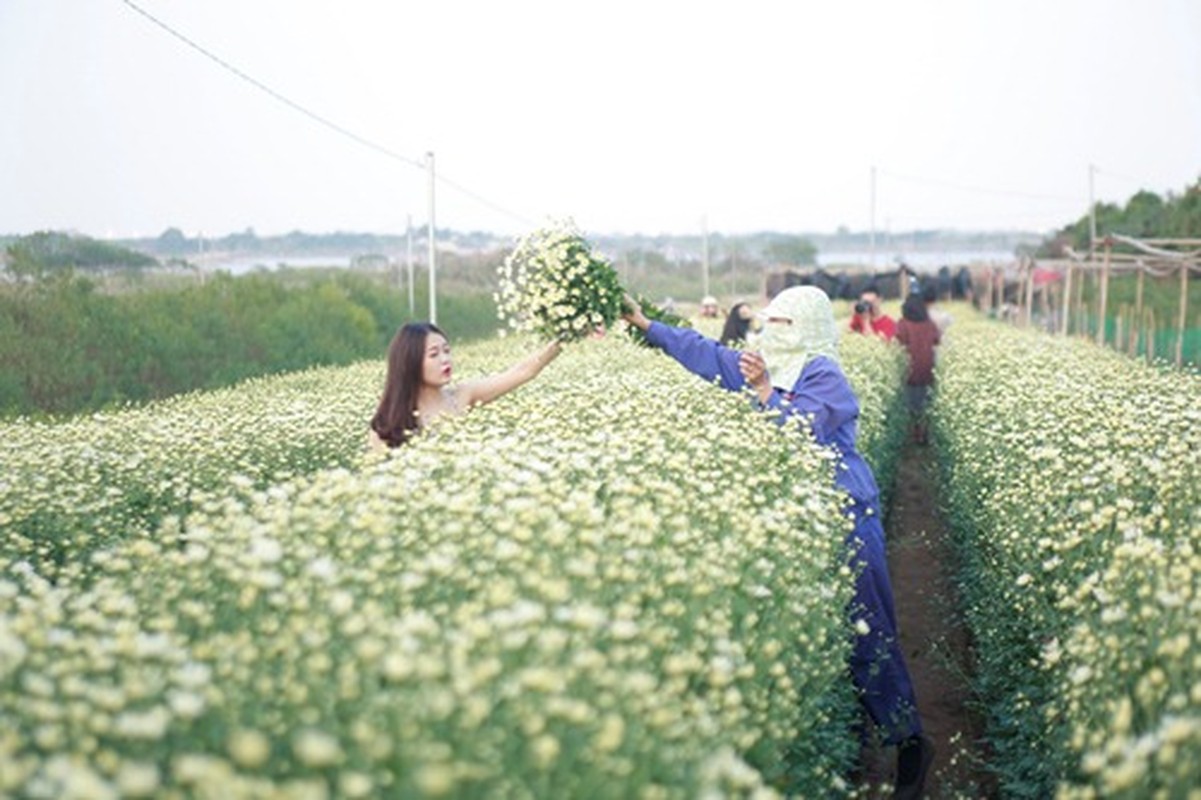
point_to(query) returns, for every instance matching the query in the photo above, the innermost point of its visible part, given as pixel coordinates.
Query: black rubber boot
(914, 756)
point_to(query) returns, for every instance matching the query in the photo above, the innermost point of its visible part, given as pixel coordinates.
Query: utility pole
(429, 160)
(393, 270)
(200, 255)
(733, 270)
(705, 254)
(409, 258)
(872, 244)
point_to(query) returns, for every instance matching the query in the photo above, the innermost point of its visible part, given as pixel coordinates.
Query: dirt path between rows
(936, 644)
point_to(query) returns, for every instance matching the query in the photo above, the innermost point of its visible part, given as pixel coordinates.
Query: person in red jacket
(918, 333)
(868, 316)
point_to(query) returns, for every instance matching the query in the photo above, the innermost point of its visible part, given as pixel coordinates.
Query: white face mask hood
(787, 347)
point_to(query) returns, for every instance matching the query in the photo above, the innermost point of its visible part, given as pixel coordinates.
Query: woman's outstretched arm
(485, 390)
(698, 354)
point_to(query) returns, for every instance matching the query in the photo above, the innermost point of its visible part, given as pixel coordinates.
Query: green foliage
(792, 250)
(1159, 325)
(655, 314)
(466, 314)
(50, 252)
(67, 347)
(1146, 214)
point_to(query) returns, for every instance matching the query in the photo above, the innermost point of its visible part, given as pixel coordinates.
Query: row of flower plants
(72, 486)
(616, 582)
(1072, 479)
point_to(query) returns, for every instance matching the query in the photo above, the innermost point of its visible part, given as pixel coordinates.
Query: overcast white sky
(627, 115)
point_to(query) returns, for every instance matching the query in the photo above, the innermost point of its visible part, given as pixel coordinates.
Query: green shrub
(68, 347)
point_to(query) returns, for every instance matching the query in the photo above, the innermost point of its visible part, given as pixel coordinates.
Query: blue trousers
(877, 664)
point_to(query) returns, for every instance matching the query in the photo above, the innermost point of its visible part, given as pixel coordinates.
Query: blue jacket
(821, 394)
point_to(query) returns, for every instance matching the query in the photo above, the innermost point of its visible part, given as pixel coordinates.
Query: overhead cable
(979, 189)
(312, 114)
(265, 88)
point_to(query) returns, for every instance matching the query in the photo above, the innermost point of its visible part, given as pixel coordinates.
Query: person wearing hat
(796, 373)
(708, 306)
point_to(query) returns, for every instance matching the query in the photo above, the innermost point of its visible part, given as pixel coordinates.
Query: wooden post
(1183, 314)
(1104, 298)
(1138, 309)
(1066, 300)
(1020, 299)
(1151, 336)
(1081, 317)
(1021, 294)
(1029, 291)
(1081, 311)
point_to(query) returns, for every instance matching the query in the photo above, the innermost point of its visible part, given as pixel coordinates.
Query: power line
(312, 114)
(485, 201)
(265, 88)
(1137, 181)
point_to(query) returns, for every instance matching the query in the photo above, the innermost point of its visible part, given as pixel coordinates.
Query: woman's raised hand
(632, 313)
(754, 370)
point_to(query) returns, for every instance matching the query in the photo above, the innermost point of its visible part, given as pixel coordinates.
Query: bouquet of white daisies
(555, 285)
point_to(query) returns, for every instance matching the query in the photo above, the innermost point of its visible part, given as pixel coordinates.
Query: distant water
(922, 261)
(242, 265)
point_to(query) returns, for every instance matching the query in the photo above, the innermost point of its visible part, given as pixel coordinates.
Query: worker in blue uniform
(796, 373)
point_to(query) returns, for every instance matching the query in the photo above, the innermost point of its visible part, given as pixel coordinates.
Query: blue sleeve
(822, 394)
(697, 354)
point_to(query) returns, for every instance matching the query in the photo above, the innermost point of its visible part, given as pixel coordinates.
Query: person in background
(939, 317)
(739, 322)
(868, 317)
(418, 389)
(797, 376)
(920, 336)
(709, 306)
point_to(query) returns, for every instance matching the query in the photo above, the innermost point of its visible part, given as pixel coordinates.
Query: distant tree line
(67, 347)
(174, 243)
(50, 251)
(1145, 215)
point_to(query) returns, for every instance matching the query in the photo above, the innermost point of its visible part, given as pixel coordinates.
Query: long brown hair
(395, 419)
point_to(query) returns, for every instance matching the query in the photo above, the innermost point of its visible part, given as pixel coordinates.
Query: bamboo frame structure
(1156, 257)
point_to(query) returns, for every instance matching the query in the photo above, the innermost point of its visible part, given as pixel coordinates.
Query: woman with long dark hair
(738, 325)
(418, 389)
